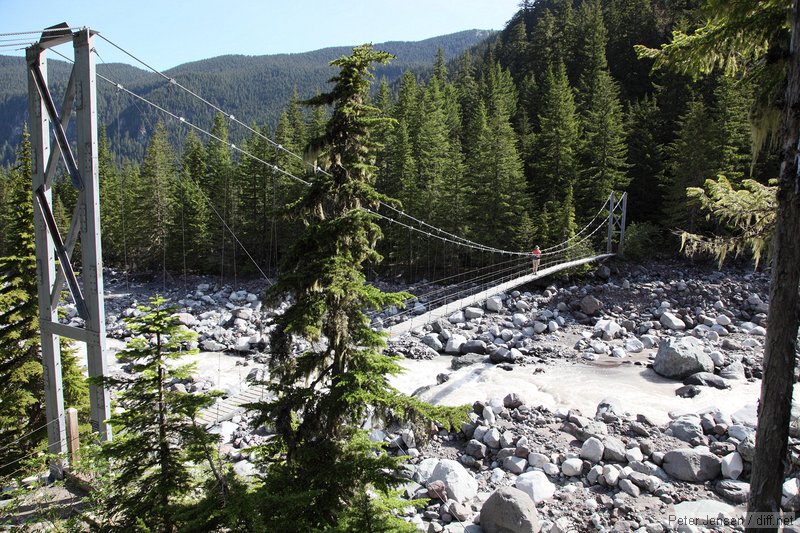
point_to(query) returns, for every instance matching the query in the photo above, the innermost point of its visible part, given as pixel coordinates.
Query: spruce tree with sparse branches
(322, 463)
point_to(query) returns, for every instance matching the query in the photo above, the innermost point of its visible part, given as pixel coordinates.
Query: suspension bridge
(440, 297)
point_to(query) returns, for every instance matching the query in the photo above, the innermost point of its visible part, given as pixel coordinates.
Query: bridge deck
(225, 409)
(447, 309)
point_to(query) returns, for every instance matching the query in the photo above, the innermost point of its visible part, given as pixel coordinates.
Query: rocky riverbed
(624, 401)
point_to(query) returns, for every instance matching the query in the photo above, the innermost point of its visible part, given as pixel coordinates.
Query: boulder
(592, 450)
(614, 450)
(671, 321)
(706, 379)
(509, 510)
(634, 345)
(432, 341)
(609, 405)
(187, 319)
(732, 490)
(473, 312)
(732, 466)
(536, 485)
(210, 345)
(686, 428)
(474, 346)
(688, 464)
(457, 317)
(495, 303)
(454, 344)
(515, 465)
(461, 486)
(607, 329)
(679, 358)
(572, 467)
(590, 305)
(467, 360)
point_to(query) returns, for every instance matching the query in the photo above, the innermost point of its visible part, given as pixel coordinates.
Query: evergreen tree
(732, 103)
(22, 409)
(113, 200)
(499, 202)
(219, 187)
(691, 162)
(329, 463)
(21, 385)
(152, 203)
(189, 242)
(156, 437)
(590, 54)
(556, 143)
(603, 150)
(646, 160)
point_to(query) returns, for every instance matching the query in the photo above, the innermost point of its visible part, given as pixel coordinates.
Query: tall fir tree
(691, 162)
(152, 202)
(21, 385)
(499, 202)
(556, 143)
(189, 239)
(328, 463)
(646, 159)
(603, 150)
(22, 409)
(220, 187)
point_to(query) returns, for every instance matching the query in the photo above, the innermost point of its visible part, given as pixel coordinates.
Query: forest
(516, 142)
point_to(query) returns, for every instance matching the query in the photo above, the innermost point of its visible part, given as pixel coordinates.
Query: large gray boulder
(686, 428)
(509, 510)
(692, 464)
(461, 486)
(454, 344)
(671, 321)
(536, 485)
(679, 358)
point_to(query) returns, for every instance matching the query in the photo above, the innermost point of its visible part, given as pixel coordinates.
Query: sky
(167, 33)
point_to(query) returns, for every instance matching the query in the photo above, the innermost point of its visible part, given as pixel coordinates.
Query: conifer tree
(691, 162)
(21, 380)
(156, 439)
(21, 386)
(113, 201)
(328, 462)
(646, 160)
(499, 201)
(603, 151)
(733, 101)
(556, 143)
(152, 201)
(189, 225)
(219, 185)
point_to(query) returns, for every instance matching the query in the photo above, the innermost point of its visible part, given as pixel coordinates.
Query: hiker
(536, 257)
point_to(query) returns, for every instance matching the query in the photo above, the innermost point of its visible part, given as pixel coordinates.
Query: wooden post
(73, 442)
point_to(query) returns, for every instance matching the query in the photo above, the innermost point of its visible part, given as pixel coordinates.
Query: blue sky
(168, 33)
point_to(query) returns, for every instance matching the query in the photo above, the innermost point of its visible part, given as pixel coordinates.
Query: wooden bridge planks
(226, 408)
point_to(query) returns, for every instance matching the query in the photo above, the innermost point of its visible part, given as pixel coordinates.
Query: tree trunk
(782, 323)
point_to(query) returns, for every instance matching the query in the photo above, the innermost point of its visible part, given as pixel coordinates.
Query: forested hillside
(255, 88)
(518, 141)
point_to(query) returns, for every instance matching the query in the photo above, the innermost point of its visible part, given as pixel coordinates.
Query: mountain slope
(253, 88)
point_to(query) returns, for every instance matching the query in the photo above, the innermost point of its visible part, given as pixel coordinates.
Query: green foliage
(156, 438)
(746, 219)
(321, 395)
(21, 386)
(743, 39)
(642, 241)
